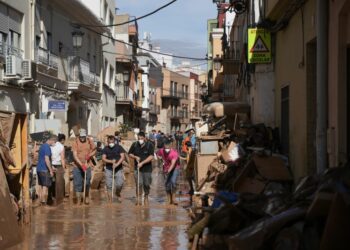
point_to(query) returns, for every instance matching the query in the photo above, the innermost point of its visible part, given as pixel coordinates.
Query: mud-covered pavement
(104, 226)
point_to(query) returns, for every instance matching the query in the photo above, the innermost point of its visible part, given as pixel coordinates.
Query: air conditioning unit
(27, 69)
(13, 66)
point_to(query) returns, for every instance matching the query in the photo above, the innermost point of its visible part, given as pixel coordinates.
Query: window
(3, 38)
(49, 41)
(111, 75)
(14, 39)
(105, 70)
(186, 92)
(93, 66)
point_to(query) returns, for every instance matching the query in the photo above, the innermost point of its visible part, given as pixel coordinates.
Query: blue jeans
(78, 179)
(170, 181)
(118, 180)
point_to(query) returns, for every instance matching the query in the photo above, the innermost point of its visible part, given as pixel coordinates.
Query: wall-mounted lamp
(217, 63)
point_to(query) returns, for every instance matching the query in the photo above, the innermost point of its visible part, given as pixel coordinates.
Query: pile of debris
(254, 206)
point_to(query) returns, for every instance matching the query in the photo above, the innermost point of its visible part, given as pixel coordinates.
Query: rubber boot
(169, 201)
(87, 198)
(173, 199)
(79, 196)
(138, 200)
(146, 200)
(118, 195)
(109, 197)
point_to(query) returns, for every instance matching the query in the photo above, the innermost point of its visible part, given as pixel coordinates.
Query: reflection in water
(105, 226)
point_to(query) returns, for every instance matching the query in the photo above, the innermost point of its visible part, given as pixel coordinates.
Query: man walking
(171, 169)
(59, 165)
(83, 149)
(44, 169)
(142, 152)
(113, 156)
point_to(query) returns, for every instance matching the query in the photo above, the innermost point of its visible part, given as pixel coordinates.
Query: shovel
(113, 181)
(138, 182)
(84, 199)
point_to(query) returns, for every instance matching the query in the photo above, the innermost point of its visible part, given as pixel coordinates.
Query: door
(285, 120)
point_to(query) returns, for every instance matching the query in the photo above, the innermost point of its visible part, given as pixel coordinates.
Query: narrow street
(104, 226)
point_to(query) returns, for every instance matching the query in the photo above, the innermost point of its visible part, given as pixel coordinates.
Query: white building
(164, 59)
(61, 87)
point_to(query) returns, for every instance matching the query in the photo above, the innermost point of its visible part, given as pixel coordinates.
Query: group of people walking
(143, 152)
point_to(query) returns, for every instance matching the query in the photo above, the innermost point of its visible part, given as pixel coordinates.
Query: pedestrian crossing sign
(259, 46)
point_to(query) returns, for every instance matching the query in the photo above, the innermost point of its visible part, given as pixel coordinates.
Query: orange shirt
(83, 149)
(184, 146)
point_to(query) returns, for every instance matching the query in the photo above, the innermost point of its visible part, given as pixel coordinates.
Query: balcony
(171, 94)
(47, 58)
(153, 109)
(171, 97)
(8, 50)
(195, 115)
(124, 94)
(174, 115)
(79, 72)
(12, 57)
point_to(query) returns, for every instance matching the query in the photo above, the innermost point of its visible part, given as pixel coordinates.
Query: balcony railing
(153, 109)
(46, 57)
(79, 71)
(171, 94)
(173, 114)
(124, 93)
(8, 50)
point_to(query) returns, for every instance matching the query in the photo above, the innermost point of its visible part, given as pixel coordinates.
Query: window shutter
(4, 20)
(15, 21)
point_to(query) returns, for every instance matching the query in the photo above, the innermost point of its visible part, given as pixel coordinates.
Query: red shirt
(168, 157)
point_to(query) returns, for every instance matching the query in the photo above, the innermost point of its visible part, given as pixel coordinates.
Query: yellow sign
(259, 46)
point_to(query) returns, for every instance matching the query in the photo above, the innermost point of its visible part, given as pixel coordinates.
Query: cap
(82, 132)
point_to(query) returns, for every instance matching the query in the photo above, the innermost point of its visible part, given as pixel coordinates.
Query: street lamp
(126, 76)
(217, 63)
(77, 38)
(204, 89)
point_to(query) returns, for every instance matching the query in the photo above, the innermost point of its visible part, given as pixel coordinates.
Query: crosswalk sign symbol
(259, 46)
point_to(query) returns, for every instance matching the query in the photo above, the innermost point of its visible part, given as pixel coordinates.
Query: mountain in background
(181, 48)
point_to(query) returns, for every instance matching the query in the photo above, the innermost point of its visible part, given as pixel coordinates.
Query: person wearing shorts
(44, 168)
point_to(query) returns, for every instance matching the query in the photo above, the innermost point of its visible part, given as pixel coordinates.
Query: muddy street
(104, 226)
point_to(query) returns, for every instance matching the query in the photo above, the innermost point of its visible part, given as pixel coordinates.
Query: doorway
(285, 120)
(311, 83)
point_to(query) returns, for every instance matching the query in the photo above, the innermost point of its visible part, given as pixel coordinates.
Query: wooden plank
(26, 170)
(202, 164)
(16, 149)
(6, 125)
(9, 230)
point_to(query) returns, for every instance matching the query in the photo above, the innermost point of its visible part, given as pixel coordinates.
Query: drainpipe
(322, 85)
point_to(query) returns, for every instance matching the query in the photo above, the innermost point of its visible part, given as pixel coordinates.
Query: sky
(180, 28)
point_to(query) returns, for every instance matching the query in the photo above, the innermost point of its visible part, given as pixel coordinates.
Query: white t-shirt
(56, 153)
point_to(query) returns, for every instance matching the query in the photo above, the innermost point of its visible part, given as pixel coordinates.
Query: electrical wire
(134, 20)
(148, 50)
(177, 67)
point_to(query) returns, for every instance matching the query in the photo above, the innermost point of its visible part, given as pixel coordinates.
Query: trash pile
(253, 205)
